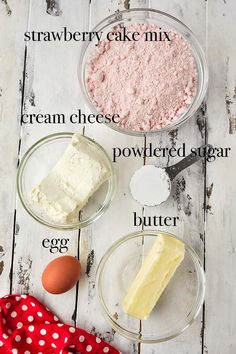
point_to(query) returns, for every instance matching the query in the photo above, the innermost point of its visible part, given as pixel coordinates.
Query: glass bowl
(162, 19)
(36, 164)
(176, 309)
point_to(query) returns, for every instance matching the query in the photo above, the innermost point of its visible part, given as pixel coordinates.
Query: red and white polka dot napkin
(28, 327)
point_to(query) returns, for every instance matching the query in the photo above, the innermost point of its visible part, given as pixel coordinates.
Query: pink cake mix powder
(149, 84)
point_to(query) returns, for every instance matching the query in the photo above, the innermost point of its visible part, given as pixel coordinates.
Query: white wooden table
(42, 78)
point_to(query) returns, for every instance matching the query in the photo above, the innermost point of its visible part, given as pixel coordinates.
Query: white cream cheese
(72, 181)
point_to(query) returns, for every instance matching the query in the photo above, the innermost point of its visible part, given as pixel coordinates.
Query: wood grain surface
(41, 77)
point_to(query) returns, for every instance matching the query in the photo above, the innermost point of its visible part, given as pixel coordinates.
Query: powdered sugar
(149, 84)
(150, 185)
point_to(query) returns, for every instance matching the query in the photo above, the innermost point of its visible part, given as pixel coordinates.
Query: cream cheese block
(72, 181)
(155, 273)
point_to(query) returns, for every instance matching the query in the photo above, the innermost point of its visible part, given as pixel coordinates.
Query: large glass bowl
(177, 307)
(164, 20)
(36, 164)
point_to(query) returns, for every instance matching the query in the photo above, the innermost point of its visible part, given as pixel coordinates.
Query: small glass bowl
(177, 307)
(164, 20)
(36, 164)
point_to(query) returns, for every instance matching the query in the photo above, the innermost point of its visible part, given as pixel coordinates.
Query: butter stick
(158, 268)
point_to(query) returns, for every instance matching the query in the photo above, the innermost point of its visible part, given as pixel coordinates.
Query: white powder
(150, 185)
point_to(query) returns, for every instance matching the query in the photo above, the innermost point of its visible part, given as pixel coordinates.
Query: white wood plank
(187, 197)
(51, 86)
(13, 20)
(102, 234)
(220, 234)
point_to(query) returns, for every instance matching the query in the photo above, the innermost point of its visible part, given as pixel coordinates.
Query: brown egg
(61, 274)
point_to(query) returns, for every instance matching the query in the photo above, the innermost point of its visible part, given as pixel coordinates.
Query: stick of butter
(72, 181)
(158, 268)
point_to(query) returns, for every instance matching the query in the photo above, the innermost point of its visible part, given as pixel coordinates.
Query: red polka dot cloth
(28, 327)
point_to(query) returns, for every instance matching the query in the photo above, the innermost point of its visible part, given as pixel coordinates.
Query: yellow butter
(158, 268)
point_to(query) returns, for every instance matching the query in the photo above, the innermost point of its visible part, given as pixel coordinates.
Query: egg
(61, 274)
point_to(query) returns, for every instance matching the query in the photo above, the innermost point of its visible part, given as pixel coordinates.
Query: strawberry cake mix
(150, 84)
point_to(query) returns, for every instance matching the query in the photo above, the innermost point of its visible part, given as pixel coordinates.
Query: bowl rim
(190, 111)
(80, 224)
(200, 296)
